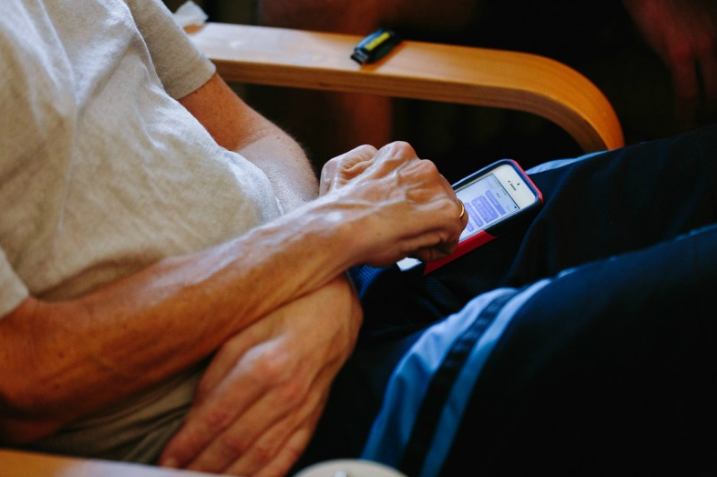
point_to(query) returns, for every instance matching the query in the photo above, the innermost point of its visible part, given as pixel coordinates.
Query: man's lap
(608, 369)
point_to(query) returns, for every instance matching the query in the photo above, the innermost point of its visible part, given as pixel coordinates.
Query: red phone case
(489, 233)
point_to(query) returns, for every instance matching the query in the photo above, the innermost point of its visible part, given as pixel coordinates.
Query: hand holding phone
(495, 198)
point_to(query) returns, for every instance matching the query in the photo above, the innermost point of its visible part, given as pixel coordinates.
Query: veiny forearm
(61, 361)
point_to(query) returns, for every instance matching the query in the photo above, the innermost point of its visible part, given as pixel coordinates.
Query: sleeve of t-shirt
(12, 290)
(181, 67)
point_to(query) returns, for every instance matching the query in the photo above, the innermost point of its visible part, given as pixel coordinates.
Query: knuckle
(401, 148)
(271, 368)
(422, 172)
(219, 418)
(262, 454)
(233, 445)
(428, 167)
(328, 169)
(331, 166)
(291, 391)
(366, 149)
(361, 153)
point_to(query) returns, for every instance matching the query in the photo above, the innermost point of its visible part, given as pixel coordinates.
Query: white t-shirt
(103, 172)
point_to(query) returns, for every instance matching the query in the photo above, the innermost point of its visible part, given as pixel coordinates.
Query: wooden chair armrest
(29, 464)
(418, 70)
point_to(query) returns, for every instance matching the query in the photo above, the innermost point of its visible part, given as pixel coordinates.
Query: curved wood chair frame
(417, 70)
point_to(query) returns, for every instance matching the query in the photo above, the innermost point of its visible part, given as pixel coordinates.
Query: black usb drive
(375, 46)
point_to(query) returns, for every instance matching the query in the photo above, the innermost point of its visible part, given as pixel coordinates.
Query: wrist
(346, 226)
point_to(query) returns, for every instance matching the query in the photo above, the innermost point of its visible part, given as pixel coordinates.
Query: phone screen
(486, 202)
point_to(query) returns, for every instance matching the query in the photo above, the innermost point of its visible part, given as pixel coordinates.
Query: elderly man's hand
(260, 399)
(684, 34)
(399, 205)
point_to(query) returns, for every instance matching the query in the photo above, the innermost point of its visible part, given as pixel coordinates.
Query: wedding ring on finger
(463, 210)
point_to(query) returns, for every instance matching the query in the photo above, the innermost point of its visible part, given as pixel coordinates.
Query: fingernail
(170, 462)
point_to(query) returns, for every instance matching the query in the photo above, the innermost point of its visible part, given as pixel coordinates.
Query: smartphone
(495, 198)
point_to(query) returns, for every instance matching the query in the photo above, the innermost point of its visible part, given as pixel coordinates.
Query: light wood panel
(419, 70)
